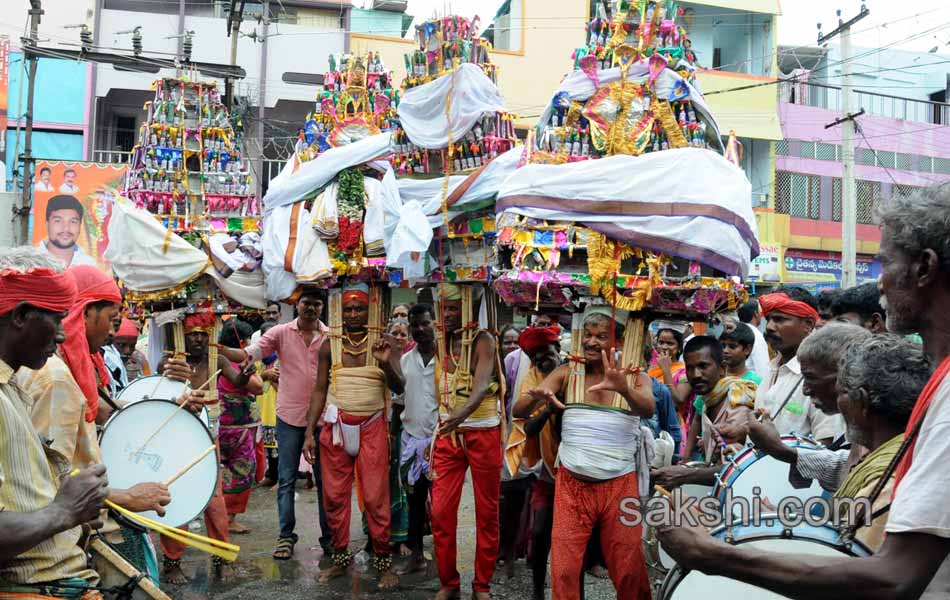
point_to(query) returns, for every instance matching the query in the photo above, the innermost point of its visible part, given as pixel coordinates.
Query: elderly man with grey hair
(819, 356)
(912, 561)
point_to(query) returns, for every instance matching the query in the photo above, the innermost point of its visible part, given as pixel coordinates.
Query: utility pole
(234, 30)
(848, 203)
(26, 200)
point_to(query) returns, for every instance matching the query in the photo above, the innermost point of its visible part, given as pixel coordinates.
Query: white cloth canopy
(140, 257)
(688, 202)
(289, 230)
(422, 109)
(297, 181)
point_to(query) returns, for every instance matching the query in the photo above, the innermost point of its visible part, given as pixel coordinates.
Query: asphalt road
(260, 577)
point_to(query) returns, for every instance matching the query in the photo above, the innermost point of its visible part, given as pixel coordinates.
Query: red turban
(40, 287)
(93, 286)
(203, 322)
(128, 328)
(358, 293)
(533, 339)
(780, 302)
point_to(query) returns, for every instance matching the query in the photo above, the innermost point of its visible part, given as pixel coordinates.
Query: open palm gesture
(615, 374)
(383, 349)
(543, 396)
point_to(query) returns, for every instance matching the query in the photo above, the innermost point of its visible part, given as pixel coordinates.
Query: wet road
(262, 578)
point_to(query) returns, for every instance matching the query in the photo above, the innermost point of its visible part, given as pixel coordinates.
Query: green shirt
(749, 376)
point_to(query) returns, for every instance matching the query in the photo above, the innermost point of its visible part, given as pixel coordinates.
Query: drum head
(156, 387)
(178, 443)
(771, 477)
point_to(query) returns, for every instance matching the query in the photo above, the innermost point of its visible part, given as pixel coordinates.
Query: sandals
(285, 548)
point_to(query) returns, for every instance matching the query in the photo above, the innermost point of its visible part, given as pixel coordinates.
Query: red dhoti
(216, 522)
(480, 450)
(579, 506)
(372, 462)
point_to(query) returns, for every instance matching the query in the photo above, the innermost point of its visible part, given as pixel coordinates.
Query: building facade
(902, 143)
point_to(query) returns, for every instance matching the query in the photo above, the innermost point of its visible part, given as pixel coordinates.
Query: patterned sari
(237, 436)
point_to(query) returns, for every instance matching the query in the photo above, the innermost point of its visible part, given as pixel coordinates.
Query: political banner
(72, 202)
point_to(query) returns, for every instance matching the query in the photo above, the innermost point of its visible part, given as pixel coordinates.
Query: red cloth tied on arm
(93, 286)
(41, 287)
(916, 416)
(533, 339)
(780, 302)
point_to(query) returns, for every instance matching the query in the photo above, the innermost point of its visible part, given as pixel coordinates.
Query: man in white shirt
(42, 184)
(419, 419)
(912, 562)
(791, 318)
(69, 182)
(758, 362)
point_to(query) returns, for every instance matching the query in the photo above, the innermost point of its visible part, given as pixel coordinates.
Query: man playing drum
(724, 399)
(791, 316)
(356, 370)
(40, 514)
(196, 370)
(66, 394)
(600, 458)
(912, 561)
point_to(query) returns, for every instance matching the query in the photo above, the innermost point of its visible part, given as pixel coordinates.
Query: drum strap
(787, 398)
(882, 482)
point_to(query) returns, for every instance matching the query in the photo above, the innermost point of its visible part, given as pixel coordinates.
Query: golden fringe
(664, 112)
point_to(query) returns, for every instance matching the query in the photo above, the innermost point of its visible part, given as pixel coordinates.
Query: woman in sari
(669, 369)
(238, 430)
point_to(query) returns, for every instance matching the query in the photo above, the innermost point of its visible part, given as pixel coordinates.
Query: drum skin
(769, 536)
(178, 443)
(156, 387)
(751, 468)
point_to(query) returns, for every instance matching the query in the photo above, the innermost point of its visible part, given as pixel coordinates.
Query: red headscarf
(203, 321)
(535, 338)
(780, 302)
(93, 286)
(40, 287)
(128, 328)
(916, 417)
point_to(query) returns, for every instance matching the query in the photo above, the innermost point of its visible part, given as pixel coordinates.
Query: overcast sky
(888, 22)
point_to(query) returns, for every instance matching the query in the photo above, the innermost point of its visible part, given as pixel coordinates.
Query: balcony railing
(883, 105)
(113, 157)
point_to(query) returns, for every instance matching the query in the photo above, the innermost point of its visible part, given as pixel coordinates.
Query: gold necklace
(355, 344)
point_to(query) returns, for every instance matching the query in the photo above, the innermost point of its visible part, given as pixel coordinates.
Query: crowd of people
(553, 443)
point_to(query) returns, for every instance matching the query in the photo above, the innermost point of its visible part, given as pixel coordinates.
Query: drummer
(725, 399)
(196, 371)
(820, 354)
(41, 517)
(792, 315)
(66, 394)
(912, 561)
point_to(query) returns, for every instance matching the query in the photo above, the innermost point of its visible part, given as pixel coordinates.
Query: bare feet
(416, 564)
(237, 528)
(388, 580)
(481, 596)
(267, 483)
(599, 572)
(225, 572)
(447, 594)
(172, 573)
(404, 550)
(332, 573)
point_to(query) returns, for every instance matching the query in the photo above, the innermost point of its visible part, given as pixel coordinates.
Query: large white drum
(751, 468)
(156, 387)
(769, 536)
(177, 444)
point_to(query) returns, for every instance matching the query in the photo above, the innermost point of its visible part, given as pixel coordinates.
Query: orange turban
(780, 302)
(128, 328)
(93, 286)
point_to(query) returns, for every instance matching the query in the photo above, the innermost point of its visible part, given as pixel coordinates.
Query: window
(942, 165)
(836, 199)
(885, 159)
(783, 192)
(124, 138)
(866, 195)
(825, 151)
(864, 156)
(805, 196)
(903, 162)
(781, 147)
(807, 150)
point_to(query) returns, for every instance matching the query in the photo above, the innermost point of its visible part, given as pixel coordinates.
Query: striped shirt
(28, 483)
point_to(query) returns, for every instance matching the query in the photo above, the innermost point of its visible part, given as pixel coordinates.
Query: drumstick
(666, 493)
(188, 467)
(172, 416)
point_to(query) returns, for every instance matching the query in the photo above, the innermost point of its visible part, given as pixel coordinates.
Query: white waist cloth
(604, 444)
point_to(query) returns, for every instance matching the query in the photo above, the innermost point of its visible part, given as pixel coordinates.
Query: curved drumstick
(188, 467)
(171, 416)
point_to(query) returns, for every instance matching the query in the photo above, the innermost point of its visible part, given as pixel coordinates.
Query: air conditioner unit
(397, 6)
